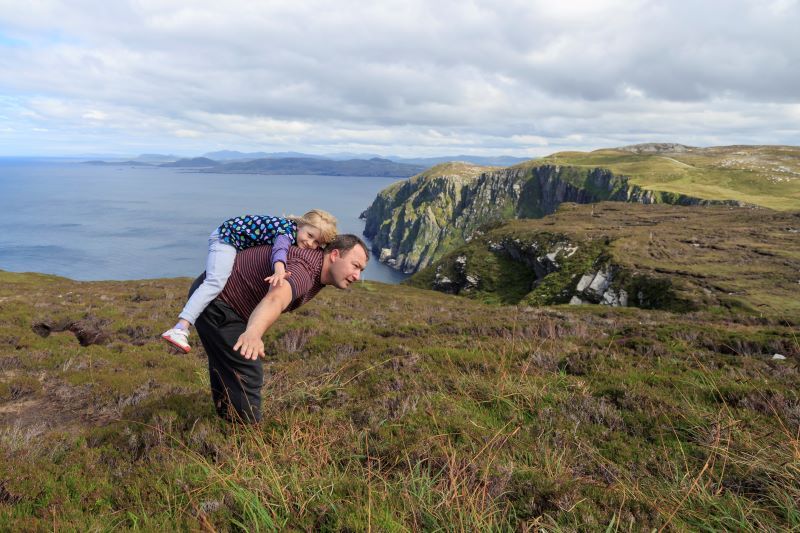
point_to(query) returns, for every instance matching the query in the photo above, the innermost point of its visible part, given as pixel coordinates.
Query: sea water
(89, 222)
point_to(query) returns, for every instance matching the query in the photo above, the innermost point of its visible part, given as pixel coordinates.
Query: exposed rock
(547, 255)
(584, 282)
(462, 281)
(444, 284)
(657, 148)
(599, 284)
(542, 258)
(471, 282)
(595, 287)
(615, 298)
(418, 221)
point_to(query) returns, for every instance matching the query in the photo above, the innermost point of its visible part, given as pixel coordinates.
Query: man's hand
(250, 345)
(263, 316)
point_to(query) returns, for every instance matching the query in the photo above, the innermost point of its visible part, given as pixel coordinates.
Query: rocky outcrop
(546, 269)
(595, 288)
(462, 282)
(657, 148)
(414, 223)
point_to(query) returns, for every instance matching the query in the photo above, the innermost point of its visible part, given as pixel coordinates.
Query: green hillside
(416, 222)
(396, 409)
(768, 176)
(688, 257)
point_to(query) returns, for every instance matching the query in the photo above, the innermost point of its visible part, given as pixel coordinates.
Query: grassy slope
(713, 256)
(763, 175)
(400, 409)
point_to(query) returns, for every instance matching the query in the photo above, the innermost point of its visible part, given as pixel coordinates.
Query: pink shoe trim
(185, 349)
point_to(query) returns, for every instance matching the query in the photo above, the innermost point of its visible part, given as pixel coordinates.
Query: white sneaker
(177, 337)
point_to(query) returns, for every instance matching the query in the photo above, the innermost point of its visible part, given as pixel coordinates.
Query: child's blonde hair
(322, 220)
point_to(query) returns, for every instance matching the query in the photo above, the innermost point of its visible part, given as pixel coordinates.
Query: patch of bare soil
(58, 406)
(89, 330)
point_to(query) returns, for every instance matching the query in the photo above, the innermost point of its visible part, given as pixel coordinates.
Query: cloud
(419, 77)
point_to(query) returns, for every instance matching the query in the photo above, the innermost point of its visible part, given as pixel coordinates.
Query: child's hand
(276, 279)
(278, 270)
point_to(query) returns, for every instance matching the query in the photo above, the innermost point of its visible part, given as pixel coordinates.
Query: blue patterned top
(254, 230)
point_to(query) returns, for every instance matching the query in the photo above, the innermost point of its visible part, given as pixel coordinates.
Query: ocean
(89, 222)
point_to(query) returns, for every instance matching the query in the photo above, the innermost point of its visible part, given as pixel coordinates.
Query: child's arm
(280, 249)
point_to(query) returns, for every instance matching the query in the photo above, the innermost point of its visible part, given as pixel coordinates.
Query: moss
(462, 197)
(404, 408)
(648, 247)
(650, 292)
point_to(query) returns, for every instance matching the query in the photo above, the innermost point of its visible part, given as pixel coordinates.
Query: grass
(417, 222)
(668, 257)
(398, 409)
(768, 176)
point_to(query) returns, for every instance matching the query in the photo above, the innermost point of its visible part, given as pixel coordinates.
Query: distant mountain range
(490, 161)
(287, 163)
(226, 155)
(285, 166)
(327, 167)
(503, 160)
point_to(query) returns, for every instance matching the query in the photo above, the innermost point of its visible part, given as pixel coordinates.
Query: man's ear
(335, 255)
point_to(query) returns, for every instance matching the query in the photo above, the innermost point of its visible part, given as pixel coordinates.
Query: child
(315, 229)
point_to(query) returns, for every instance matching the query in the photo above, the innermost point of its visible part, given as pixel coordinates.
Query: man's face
(346, 268)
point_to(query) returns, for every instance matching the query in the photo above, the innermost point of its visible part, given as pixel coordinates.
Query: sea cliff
(414, 223)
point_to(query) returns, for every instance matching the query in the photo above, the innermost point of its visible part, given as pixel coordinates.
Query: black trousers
(235, 381)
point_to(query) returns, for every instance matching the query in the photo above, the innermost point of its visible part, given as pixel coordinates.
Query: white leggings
(219, 266)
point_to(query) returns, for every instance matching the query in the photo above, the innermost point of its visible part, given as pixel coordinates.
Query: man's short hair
(346, 242)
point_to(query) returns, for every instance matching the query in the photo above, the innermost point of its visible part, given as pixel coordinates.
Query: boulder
(584, 282)
(600, 283)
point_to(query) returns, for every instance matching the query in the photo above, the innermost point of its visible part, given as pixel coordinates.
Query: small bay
(90, 222)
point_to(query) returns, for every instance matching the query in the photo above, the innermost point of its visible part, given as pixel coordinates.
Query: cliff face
(415, 223)
(615, 254)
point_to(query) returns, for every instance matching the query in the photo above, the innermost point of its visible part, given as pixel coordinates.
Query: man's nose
(358, 275)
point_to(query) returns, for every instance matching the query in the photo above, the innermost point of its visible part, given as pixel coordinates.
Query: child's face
(308, 237)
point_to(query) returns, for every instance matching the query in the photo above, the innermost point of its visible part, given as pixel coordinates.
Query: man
(232, 326)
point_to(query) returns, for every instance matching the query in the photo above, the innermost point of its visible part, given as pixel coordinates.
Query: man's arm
(250, 344)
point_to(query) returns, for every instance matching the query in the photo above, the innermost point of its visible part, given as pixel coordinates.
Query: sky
(406, 77)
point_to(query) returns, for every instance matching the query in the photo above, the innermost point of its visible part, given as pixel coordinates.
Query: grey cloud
(482, 70)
